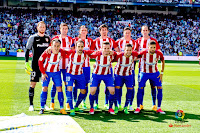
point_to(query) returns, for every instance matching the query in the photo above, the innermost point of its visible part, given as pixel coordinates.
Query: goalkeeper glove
(28, 69)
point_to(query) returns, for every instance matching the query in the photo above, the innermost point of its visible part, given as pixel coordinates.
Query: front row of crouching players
(149, 71)
(49, 66)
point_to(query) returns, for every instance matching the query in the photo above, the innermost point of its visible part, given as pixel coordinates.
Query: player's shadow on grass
(149, 115)
(50, 112)
(153, 116)
(103, 115)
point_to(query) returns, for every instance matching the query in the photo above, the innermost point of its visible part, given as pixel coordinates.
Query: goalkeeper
(38, 44)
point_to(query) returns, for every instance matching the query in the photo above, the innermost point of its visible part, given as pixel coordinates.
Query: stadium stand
(175, 33)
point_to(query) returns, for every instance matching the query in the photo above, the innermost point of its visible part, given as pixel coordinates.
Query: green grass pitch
(181, 90)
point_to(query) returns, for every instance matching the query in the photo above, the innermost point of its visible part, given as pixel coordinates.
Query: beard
(104, 34)
(152, 52)
(107, 53)
(128, 55)
(41, 32)
(80, 51)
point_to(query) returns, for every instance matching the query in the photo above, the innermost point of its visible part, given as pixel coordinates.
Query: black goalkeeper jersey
(38, 45)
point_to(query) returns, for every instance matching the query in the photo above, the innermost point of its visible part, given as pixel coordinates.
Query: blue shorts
(151, 76)
(56, 77)
(64, 71)
(133, 73)
(111, 70)
(150, 81)
(139, 74)
(120, 80)
(86, 72)
(96, 79)
(78, 79)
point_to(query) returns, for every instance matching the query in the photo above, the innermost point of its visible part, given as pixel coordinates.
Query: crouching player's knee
(118, 87)
(83, 91)
(111, 90)
(59, 89)
(44, 89)
(92, 90)
(159, 87)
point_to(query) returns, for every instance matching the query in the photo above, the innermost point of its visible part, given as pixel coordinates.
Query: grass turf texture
(181, 90)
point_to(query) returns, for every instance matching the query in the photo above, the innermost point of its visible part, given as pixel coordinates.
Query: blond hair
(64, 24)
(41, 22)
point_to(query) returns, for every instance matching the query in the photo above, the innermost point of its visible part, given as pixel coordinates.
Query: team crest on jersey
(41, 58)
(47, 39)
(87, 44)
(109, 60)
(60, 57)
(83, 58)
(156, 59)
(131, 60)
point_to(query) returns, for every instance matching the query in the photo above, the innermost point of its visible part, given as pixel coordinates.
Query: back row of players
(71, 57)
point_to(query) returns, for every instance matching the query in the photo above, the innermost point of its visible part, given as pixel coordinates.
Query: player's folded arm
(48, 50)
(94, 54)
(41, 61)
(89, 52)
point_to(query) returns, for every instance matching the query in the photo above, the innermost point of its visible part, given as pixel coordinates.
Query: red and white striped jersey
(103, 63)
(124, 64)
(150, 61)
(75, 66)
(142, 44)
(121, 43)
(50, 62)
(97, 43)
(66, 44)
(87, 46)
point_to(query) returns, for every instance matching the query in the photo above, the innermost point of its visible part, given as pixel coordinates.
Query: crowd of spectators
(175, 33)
(159, 1)
(169, 1)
